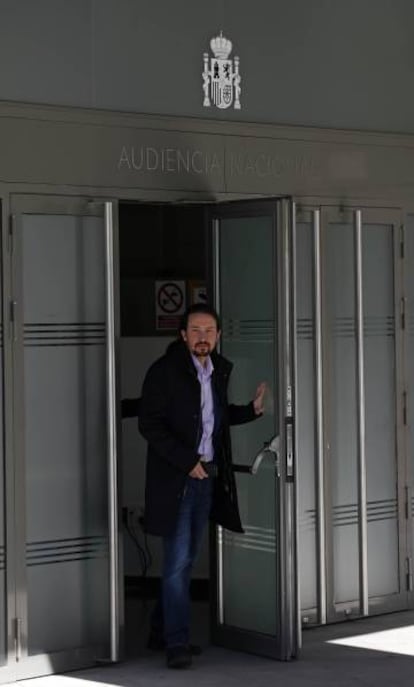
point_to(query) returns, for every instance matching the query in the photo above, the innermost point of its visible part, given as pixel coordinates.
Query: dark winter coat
(170, 420)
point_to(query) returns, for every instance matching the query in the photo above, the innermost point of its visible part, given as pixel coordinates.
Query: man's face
(201, 335)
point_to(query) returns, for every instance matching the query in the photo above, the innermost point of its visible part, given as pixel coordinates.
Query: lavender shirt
(205, 447)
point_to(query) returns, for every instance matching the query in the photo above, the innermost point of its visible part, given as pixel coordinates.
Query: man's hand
(258, 401)
(198, 472)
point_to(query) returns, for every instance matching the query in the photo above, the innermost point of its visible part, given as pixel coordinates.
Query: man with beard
(185, 417)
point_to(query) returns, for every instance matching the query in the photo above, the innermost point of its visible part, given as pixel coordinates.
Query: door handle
(272, 447)
(269, 447)
(114, 572)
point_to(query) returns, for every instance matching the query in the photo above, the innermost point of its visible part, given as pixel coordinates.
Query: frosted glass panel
(380, 404)
(340, 300)
(250, 558)
(65, 436)
(379, 409)
(248, 300)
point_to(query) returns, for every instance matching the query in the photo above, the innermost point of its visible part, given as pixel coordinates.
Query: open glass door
(64, 327)
(255, 604)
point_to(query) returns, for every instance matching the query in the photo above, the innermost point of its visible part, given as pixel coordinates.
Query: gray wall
(330, 63)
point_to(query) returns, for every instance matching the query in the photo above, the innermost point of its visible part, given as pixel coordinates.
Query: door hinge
(18, 638)
(13, 311)
(404, 409)
(409, 564)
(10, 242)
(402, 312)
(407, 502)
(12, 316)
(402, 242)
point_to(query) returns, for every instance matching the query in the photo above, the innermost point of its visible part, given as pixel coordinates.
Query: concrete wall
(326, 63)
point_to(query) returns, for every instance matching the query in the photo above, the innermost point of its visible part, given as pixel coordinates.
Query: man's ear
(183, 334)
(218, 334)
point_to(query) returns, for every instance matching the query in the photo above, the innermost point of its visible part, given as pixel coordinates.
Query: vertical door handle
(18, 638)
(362, 468)
(290, 450)
(111, 436)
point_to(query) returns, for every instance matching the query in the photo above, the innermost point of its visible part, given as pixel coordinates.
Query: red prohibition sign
(170, 298)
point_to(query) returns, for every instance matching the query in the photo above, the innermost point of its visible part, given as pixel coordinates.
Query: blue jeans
(180, 549)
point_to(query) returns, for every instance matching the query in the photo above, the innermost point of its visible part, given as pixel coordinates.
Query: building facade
(135, 151)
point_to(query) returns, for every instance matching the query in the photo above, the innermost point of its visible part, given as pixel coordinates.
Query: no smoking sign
(169, 303)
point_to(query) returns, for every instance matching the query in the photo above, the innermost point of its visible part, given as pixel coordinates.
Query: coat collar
(179, 353)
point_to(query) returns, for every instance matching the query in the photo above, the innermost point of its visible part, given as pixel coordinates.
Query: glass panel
(307, 516)
(3, 596)
(342, 408)
(380, 419)
(409, 281)
(380, 409)
(65, 437)
(248, 303)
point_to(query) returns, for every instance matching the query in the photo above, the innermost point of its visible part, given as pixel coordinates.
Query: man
(186, 418)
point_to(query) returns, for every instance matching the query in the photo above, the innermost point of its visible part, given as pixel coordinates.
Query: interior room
(162, 257)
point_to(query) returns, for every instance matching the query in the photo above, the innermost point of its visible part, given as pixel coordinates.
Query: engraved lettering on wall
(169, 160)
(265, 165)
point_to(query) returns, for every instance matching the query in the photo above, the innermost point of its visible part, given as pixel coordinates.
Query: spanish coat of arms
(221, 77)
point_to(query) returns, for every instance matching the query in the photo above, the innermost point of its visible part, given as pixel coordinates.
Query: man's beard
(202, 349)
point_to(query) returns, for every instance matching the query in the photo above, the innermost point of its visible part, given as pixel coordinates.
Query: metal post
(320, 476)
(219, 530)
(362, 487)
(111, 436)
(298, 619)
(290, 636)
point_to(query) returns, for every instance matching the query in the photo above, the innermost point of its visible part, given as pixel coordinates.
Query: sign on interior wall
(197, 292)
(221, 75)
(170, 304)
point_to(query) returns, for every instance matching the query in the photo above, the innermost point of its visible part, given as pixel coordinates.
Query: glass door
(352, 487)
(363, 394)
(254, 574)
(64, 328)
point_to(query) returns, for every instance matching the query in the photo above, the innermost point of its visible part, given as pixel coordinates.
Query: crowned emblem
(221, 78)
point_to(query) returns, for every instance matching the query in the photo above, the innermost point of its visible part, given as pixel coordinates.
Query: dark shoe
(179, 657)
(157, 643)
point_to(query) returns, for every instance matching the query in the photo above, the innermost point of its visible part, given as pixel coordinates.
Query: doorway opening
(246, 250)
(163, 269)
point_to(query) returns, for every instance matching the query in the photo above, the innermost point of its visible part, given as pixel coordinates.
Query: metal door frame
(20, 665)
(287, 642)
(406, 308)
